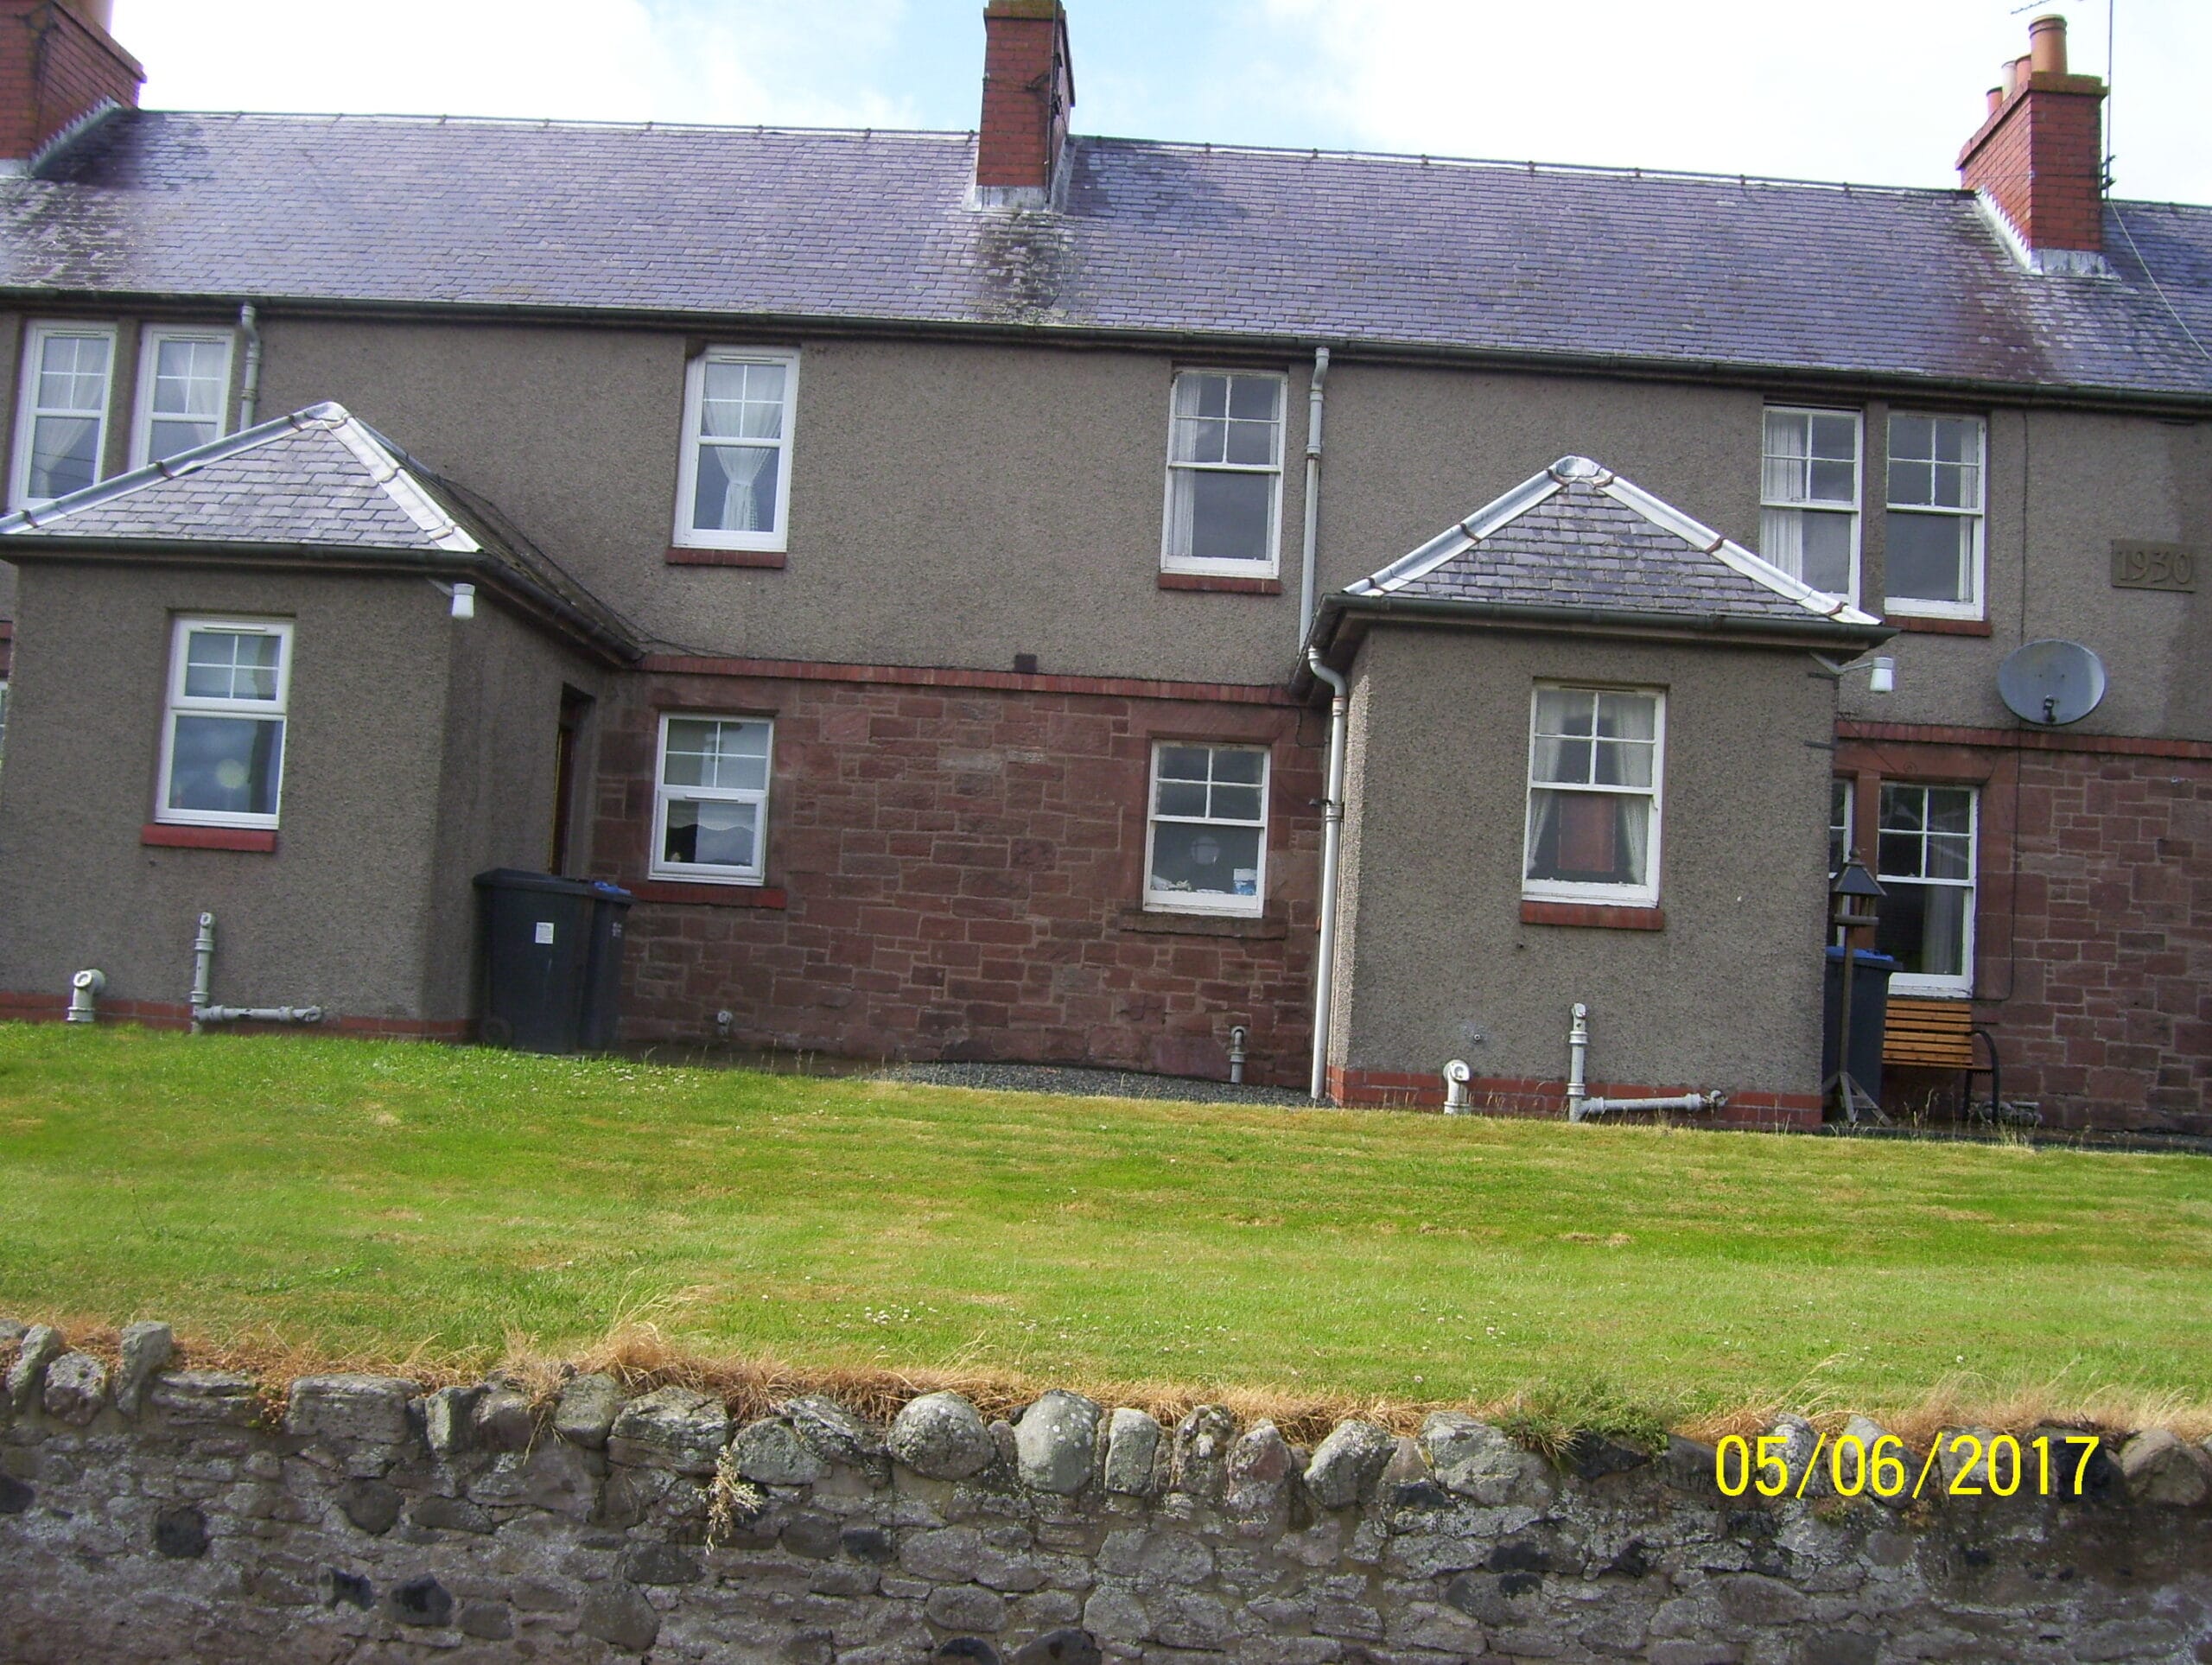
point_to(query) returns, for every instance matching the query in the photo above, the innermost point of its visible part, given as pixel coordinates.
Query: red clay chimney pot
(2047, 46)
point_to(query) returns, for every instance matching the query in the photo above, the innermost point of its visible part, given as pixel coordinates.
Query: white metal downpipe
(1581, 1105)
(84, 990)
(204, 1013)
(250, 386)
(1333, 827)
(1309, 580)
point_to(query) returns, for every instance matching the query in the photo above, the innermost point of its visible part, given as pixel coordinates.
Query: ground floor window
(223, 736)
(1206, 838)
(1840, 795)
(710, 805)
(1925, 863)
(1594, 777)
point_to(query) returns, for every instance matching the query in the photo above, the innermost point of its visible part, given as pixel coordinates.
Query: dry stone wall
(154, 1514)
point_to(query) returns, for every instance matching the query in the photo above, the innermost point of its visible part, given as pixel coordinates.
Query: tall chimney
(2038, 158)
(1028, 90)
(58, 64)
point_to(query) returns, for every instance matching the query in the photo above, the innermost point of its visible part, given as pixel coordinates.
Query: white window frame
(1927, 983)
(1184, 901)
(687, 535)
(178, 704)
(1838, 857)
(1913, 608)
(1170, 561)
(700, 873)
(143, 414)
(1560, 889)
(1857, 507)
(28, 409)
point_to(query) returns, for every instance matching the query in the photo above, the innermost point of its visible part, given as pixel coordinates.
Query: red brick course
(1028, 88)
(959, 866)
(2092, 925)
(55, 68)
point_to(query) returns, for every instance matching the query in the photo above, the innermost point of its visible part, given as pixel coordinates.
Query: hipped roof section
(1577, 546)
(317, 487)
(779, 228)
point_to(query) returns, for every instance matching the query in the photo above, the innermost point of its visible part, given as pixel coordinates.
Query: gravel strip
(1097, 1084)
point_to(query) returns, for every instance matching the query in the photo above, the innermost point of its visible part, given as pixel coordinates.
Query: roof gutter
(480, 566)
(2193, 404)
(1342, 612)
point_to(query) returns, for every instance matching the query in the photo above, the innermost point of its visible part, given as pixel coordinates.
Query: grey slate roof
(317, 482)
(1157, 238)
(1578, 536)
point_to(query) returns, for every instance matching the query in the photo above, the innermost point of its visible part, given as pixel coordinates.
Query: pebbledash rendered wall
(157, 1515)
(954, 868)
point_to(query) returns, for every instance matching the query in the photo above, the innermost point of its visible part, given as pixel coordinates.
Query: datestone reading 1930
(2153, 566)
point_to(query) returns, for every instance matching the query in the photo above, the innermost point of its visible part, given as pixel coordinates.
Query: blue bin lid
(1865, 957)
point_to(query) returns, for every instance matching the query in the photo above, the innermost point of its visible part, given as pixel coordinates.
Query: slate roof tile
(1155, 238)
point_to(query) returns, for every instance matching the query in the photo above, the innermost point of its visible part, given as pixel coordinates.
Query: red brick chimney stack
(2039, 158)
(1028, 90)
(58, 64)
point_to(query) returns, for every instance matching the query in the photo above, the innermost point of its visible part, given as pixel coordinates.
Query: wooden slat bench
(1930, 1035)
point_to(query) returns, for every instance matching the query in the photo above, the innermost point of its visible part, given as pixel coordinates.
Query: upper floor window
(734, 483)
(1225, 474)
(184, 392)
(1840, 814)
(223, 738)
(1596, 757)
(711, 802)
(1808, 498)
(1932, 557)
(1206, 838)
(1925, 862)
(61, 416)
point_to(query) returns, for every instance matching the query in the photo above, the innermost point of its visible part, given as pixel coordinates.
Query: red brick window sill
(1939, 627)
(658, 890)
(259, 841)
(1220, 584)
(1267, 926)
(771, 560)
(1585, 913)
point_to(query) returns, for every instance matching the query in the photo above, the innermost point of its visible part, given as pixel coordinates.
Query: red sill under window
(680, 556)
(1587, 913)
(1220, 583)
(259, 841)
(1939, 626)
(660, 890)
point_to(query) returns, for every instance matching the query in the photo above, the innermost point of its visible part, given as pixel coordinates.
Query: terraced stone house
(1020, 596)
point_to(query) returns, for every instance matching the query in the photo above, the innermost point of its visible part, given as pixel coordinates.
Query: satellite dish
(2050, 682)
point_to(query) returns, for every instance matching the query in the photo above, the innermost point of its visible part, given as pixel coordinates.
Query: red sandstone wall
(956, 874)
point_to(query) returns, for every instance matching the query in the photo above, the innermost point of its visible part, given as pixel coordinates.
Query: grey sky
(1875, 90)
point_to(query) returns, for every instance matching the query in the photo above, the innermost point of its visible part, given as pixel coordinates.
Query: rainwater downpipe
(249, 387)
(1333, 827)
(1309, 576)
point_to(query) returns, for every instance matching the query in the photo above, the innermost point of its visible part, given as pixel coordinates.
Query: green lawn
(376, 1202)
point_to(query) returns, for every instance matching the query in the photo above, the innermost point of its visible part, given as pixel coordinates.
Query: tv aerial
(2051, 683)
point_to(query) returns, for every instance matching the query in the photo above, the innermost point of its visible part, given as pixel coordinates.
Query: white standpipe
(85, 988)
(204, 1013)
(1237, 1036)
(1457, 1074)
(1581, 1105)
(1333, 828)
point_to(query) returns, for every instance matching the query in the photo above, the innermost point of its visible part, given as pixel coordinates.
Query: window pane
(1228, 514)
(226, 765)
(1949, 809)
(1212, 860)
(1185, 763)
(742, 401)
(1827, 558)
(65, 455)
(1623, 763)
(729, 756)
(1595, 838)
(1628, 716)
(1929, 556)
(1838, 825)
(1924, 927)
(189, 378)
(1835, 438)
(167, 439)
(1201, 440)
(228, 664)
(1252, 443)
(1236, 804)
(1832, 481)
(736, 490)
(713, 834)
(1253, 397)
(1182, 798)
(1241, 768)
(72, 373)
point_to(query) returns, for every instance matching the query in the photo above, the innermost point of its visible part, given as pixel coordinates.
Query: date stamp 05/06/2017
(1981, 1466)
